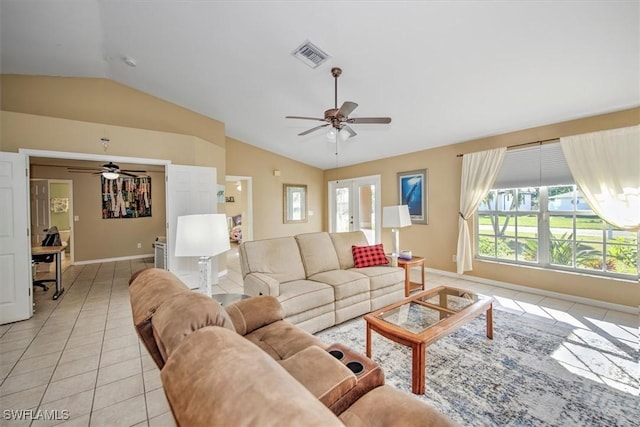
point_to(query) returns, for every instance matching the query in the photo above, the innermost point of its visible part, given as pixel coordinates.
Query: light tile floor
(80, 355)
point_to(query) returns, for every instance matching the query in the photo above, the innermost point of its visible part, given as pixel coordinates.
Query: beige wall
(71, 115)
(247, 160)
(103, 101)
(437, 240)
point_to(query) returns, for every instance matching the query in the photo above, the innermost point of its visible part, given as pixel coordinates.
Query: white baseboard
(124, 258)
(551, 294)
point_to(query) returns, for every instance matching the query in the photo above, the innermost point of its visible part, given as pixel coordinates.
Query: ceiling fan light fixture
(344, 135)
(331, 135)
(110, 175)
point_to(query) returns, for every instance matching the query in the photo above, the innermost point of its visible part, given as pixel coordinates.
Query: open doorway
(119, 238)
(239, 207)
(51, 202)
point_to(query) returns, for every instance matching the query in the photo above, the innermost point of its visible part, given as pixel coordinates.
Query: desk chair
(51, 239)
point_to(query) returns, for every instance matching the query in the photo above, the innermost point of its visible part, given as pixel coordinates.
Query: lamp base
(396, 242)
(205, 275)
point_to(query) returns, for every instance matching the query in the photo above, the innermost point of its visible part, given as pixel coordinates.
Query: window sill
(557, 270)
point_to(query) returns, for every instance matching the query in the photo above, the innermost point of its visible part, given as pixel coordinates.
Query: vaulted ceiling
(445, 71)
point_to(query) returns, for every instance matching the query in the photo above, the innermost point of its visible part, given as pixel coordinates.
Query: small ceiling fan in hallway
(338, 118)
(109, 171)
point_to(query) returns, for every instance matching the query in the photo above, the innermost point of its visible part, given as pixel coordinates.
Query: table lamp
(396, 217)
(202, 236)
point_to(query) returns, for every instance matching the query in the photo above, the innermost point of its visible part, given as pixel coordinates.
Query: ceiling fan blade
(80, 169)
(74, 170)
(304, 118)
(346, 108)
(306, 132)
(382, 120)
(128, 174)
(348, 129)
(133, 170)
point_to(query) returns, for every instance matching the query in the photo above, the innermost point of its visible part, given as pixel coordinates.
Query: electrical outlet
(139, 245)
(454, 258)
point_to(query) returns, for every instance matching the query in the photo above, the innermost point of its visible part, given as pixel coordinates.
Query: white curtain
(606, 168)
(479, 171)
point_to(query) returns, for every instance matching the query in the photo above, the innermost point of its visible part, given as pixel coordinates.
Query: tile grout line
(68, 338)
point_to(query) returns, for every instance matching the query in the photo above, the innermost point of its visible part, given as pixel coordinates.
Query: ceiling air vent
(310, 54)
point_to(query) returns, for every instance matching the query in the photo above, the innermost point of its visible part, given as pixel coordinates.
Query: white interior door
(354, 204)
(39, 202)
(15, 252)
(190, 190)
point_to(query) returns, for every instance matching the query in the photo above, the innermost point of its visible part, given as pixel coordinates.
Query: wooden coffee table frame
(419, 342)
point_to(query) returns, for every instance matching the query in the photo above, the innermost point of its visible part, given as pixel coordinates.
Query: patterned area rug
(530, 374)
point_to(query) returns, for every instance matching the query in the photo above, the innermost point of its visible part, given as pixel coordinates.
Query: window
(545, 222)
(553, 227)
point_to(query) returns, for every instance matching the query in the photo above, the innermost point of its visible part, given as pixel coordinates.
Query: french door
(354, 204)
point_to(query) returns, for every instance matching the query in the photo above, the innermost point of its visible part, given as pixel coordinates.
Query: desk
(407, 264)
(57, 252)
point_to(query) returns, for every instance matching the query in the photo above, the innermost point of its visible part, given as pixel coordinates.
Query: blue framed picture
(412, 191)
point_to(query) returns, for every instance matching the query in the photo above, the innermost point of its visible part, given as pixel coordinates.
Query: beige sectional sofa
(313, 277)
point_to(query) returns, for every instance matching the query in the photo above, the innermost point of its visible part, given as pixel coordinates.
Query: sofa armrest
(250, 314)
(320, 373)
(388, 406)
(260, 284)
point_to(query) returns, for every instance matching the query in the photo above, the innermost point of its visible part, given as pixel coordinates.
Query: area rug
(530, 374)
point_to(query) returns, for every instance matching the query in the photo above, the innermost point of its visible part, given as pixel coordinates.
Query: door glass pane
(342, 209)
(366, 212)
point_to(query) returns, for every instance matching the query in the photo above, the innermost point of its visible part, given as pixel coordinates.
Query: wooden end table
(410, 286)
(423, 318)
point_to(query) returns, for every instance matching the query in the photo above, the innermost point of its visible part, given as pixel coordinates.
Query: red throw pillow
(367, 256)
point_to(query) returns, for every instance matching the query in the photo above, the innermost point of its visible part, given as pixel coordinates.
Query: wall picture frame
(294, 203)
(413, 192)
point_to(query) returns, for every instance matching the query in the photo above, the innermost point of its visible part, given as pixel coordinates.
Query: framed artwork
(413, 192)
(220, 193)
(126, 197)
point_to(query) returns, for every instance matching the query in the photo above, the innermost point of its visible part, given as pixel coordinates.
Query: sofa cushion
(342, 243)
(317, 252)
(345, 283)
(278, 258)
(368, 256)
(182, 315)
(281, 339)
(217, 378)
(382, 276)
(303, 295)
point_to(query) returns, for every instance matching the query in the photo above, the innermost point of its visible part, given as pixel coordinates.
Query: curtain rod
(523, 144)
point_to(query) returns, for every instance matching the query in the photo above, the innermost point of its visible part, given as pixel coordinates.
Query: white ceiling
(445, 71)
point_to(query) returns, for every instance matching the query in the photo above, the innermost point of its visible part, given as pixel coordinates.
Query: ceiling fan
(109, 171)
(338, 118)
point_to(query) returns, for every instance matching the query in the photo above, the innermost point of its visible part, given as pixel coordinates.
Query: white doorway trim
(247, 234)
(87, 156)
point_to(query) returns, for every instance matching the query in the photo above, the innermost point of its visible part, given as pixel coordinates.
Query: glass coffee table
(423, 318)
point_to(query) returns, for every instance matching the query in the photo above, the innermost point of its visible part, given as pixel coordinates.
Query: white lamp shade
(396, 216)
(202, 235)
